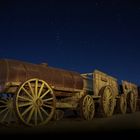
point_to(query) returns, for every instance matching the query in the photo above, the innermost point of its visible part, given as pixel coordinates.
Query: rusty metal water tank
(14, 71)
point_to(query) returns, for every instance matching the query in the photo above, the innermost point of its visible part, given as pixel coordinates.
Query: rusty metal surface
(14, 71)
(3, 74)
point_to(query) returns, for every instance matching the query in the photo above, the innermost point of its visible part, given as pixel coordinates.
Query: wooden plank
(101, 79)
(128, 87)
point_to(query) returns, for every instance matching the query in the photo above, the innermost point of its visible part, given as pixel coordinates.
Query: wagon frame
(34, 99)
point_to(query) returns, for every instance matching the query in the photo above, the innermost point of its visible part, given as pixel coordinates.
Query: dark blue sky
(74, 35)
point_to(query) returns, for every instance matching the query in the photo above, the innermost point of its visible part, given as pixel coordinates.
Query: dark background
(79, 35)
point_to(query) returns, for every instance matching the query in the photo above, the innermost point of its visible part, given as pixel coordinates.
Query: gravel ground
(129, 123)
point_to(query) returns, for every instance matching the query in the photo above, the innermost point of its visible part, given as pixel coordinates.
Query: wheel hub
(39, 102)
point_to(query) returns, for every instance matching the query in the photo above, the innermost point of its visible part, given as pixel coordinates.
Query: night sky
(76, 35)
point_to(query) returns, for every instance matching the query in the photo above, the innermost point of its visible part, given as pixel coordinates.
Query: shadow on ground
(116, 125)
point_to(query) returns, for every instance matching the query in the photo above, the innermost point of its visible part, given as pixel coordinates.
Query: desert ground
(128, 123)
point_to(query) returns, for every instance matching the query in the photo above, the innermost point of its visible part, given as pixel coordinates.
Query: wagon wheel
(87, 107)
(138, 104)
(35, 103)
(122, 104)
(132, 101)
(7, 114)
(58, 115)
(107, 101)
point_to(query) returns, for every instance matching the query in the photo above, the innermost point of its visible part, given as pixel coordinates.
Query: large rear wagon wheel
(107, 101)
(35, 103)
(7, 113)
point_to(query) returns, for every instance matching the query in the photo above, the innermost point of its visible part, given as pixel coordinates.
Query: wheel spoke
(110, 97)
(46, 100)
(31, 89)
(27, 92)
(3, 110)
(40, 114)
(27, 110)
(24, 98)
(10, 116)
(3, 102)
(5, 116)
(106, 108)
(3, 106)
(45, 94)
(90, 104)
(107, 93)
(106, 105)
(35, 116)
(25, 104)
(48, 106)
(45, 112)
(40, 90)
(36, 88)
(30, 115)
